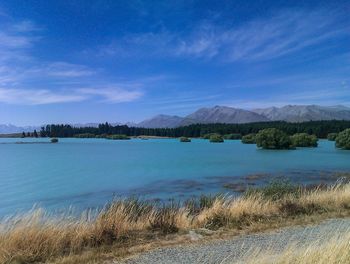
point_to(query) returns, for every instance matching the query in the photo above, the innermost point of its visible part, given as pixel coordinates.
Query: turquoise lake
(87, 173)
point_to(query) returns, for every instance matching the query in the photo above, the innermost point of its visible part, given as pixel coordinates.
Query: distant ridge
(302, 113)
(230, 115)
(223, 114)
(161, 121)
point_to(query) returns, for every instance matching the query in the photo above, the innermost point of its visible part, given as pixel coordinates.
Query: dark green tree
(304, 140)
(233, 136)
(343, 139)
(332, 136)
(35, 134)
(42, 132)
(272, 138)
(249, 139)
(216, 138)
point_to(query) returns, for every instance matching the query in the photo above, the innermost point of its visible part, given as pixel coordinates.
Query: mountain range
(225, 114)
(230, 115)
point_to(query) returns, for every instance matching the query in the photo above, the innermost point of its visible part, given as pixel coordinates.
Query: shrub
(207, 136)
(117, 137)
(272, 138)
(332, 136)
(249, 139)
(85, 135)
(54, 140)
(304, 140)
(101, 136)
(216, 138)
(185, 139)
(275, 190)
(233, 136)
(343, 139)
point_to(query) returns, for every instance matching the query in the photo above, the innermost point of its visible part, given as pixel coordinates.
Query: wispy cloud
(334, 94)
(112, 95)
(287, 32)
(45, 96)
(64, 69)
(20, 71)
(36, 97)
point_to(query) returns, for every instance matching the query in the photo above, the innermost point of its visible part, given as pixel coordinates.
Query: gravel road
(232, 250)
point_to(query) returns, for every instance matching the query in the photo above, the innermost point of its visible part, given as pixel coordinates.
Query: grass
(128, 224)
(335, 250)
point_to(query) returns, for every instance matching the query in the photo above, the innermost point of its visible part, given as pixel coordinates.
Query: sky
(82, 61)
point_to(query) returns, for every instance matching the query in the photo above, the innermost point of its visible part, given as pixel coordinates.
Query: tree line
(319, 128)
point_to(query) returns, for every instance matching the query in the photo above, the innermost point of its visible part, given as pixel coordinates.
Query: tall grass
(39, 237)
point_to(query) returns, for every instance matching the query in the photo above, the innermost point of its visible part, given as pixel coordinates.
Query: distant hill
(10, 129)
(224, 114)
(230, 115)
(161, 121)
(302, 113)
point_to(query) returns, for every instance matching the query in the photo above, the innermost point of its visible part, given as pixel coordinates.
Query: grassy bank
(124, 225)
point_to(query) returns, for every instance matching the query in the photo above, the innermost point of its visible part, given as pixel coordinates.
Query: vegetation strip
(319, 128)
(37, 237)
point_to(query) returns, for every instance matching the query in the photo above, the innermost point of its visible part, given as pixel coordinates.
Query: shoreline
(126, 225)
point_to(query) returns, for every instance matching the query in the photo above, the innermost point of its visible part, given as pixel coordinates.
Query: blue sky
(108, 60)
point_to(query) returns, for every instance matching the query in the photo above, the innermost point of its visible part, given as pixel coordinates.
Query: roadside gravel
(232, 250)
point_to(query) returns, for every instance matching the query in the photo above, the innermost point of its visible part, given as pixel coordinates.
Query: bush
(54, 140)
(249, 139)
(117, 137)
(216, 138)
(343, 139)
(304, 140)
(101, 136)
(332, 136)
(275, 190)
(272, 138)
(233, 136)
(207, 136)
(85, 135)
(185, 139)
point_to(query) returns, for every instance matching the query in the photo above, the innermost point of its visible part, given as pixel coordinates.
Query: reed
(40, 237)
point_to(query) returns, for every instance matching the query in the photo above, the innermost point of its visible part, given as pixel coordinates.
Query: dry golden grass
(335, 251)
(38, 237)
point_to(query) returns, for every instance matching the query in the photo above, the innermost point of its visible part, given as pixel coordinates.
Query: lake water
(90, 172)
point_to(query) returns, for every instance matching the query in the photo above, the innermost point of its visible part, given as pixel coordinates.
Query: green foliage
(304, 140)
(249, 139)
(343, 139)
(101, 136)
(233, 136)
(275, 190)
(185, 139)
(54, 140)
(332, 136)
(43, 132)
(319, 128)
(85, 135)
(272, 138)
(117, 137)
(207, 136)
(216, 138)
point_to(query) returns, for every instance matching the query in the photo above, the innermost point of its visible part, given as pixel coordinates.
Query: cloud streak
(287, 32)
(45, 96)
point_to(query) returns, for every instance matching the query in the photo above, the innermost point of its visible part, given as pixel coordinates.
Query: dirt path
(231, 251)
